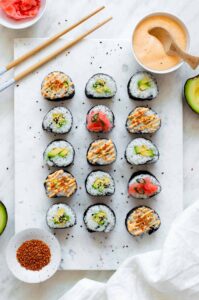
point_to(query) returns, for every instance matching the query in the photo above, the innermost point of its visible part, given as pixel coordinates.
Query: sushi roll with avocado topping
(60, 184)
(143, 185)
(142, 220)
(99, 218)
(101, 152)
(141, 151)
(59, 153)
(142, 86)
(58, 120)
(101, 86)
(60, 216)
(100, 119)
(100, 183)
(143, 120)
(57, 86)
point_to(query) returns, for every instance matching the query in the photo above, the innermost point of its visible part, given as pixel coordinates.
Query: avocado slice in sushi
(3, 217)
(191, 92)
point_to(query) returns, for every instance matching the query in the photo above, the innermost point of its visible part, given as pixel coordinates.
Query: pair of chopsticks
(52, 55)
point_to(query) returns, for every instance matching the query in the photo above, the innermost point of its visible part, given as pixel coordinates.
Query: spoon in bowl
(172, 48)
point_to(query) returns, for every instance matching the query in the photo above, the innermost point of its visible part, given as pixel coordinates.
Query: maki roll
(99, 183)
(60, 216)
(100, 119)
(57, 86)
(60, 184)
(101, 152)
(141, 220)
(101, 86)
(141, 151)
(58, 120)
(142, 86)
(143, 185)
(59, 153)
(99, 218)
(143, 120)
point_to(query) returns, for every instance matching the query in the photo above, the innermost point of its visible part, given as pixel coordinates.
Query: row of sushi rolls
(57, 86)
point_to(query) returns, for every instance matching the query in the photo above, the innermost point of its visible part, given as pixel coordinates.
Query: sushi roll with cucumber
(141, 151)
(101, 152)
(60, 216)
(60, 184)
(142, 86)
(57, 86)
(58, 120)
(142, 220)
(99, 218)
(143, 120)
(59, 153)
(100, 183)
(100, 119)
(143, 185)
(101, 86)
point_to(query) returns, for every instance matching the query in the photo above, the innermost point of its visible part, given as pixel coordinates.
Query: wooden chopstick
(48, 42)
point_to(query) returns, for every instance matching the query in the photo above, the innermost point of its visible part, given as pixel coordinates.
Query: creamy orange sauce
(149, 49)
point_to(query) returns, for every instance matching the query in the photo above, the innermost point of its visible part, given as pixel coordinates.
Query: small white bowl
(187, 48)
(21, 24)
(27, 275)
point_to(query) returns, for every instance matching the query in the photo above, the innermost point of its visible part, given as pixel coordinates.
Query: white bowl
(187, 47)
(20, 24)
(27, 275)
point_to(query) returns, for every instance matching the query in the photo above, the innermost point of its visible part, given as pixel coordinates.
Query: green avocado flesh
(144, 151)
(191, 92)
(58, 152)
(3, 217)
(144, 84)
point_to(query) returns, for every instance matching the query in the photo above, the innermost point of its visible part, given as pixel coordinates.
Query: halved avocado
(3, 217)
(191, 93)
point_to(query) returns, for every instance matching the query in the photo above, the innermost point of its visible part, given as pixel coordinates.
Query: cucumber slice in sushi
(3, 217)
(191, 93)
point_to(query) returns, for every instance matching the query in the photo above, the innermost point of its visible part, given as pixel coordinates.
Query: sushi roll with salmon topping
(101, 152)
(100, 119)
(100, 183)
(57, 86)
(143, 120)
(60, 184)
(60, 216)
(99, 218)
(101, 86)
(141, 151)
(142, 86)
(58, 120)
(142, 220)
(143, 185)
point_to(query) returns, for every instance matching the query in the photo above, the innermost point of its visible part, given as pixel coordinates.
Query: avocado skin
(186, 92)
(4, 217)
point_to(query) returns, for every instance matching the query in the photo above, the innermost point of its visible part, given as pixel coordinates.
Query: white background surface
(126, 13)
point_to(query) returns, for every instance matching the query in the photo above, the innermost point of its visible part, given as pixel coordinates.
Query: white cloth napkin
(168, 274)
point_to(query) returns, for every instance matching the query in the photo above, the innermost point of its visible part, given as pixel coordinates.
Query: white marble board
(80, 249)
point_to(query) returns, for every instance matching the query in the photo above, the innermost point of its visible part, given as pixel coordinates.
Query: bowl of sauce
(148, 50)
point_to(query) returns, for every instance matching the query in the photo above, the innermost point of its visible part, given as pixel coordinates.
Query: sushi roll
(101, 86)
(60, 216)
(100, 119)
(100, 183)
(59, 153)
(143, 185)
(101, 152)
(57, 86)
(141, 151)
(58, 120)
(143, 120)
(141, 220)
(99, 218)
(142, 86)
(60, 184)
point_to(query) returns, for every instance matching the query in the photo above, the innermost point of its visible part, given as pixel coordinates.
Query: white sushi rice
(54, 210)
(58, 160)
(94, 226)
(90, 90)
(138, 159)
(92, 177)
(49, 123)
